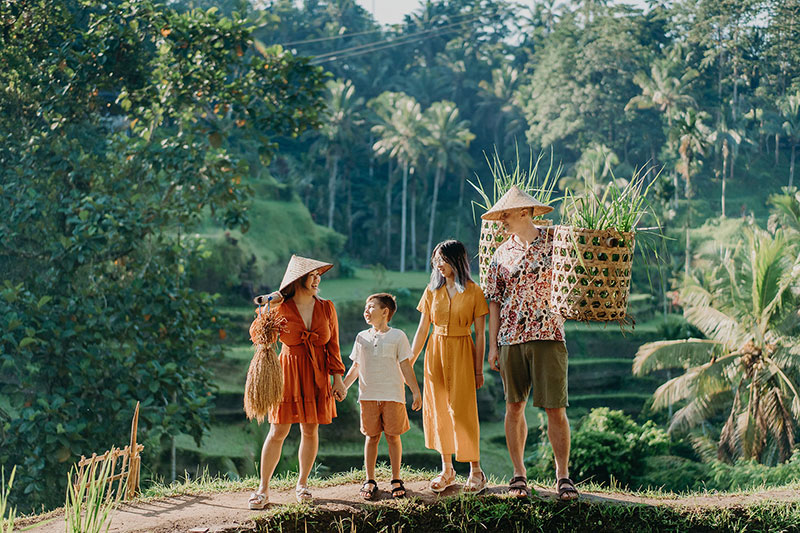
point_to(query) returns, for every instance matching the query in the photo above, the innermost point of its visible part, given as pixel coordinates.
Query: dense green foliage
(119, 124)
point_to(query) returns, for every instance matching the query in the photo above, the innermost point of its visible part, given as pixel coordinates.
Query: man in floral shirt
(526, 339)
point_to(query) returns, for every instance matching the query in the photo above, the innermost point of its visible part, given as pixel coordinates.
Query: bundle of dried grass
(264, 386)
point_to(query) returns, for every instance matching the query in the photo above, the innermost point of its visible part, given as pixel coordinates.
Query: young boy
(381, 362)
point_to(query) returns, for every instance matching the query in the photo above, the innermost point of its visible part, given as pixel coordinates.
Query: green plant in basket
(593, 249)
(620, 207)
(534, 180)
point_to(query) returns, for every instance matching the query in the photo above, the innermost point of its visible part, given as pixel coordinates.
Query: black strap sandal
(368, 489)
(566, 489)
(398, 492)
(518, 487)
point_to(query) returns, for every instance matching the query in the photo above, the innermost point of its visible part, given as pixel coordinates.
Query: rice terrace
(419, 265)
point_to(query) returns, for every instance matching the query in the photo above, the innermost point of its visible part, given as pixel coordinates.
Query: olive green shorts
(541, 365)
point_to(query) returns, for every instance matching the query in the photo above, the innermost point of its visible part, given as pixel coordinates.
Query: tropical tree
(790, 109)
(115, 143)
(448, 137)
(664, 91)
(398, 132)
(689, 135)
(748, 365)
(725, 140)
(660, 90)
(341, 118)
(498, 105)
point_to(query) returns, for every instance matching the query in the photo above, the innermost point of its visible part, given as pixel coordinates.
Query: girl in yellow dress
(454, 304)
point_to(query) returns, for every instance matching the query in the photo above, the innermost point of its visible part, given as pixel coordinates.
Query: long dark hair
(455, 254)
(288, 292)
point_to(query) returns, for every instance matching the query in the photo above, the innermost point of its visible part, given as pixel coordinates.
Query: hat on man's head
(299, 267)
(516, 198)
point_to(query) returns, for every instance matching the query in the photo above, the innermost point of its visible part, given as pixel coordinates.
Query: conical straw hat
(299, 267)
(516, 198)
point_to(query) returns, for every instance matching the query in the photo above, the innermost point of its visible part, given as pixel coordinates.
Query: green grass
(229, 440)
(367, 281)
(497, 514)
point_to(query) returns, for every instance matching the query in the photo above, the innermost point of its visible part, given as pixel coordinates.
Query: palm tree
(340, 120)
(790, 109)
(449, 137)
(498, 104)
(749, 361)
(398, 132)
(667, 93)
(689, 134)
(726, 140)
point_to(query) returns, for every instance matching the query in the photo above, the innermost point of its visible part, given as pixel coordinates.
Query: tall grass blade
(6, 522)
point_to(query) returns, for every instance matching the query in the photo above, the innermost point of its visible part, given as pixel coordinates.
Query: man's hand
(416, 403)
(493, 357)
(478, 380)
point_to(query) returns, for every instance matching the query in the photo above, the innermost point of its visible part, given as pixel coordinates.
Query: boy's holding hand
(382, 362)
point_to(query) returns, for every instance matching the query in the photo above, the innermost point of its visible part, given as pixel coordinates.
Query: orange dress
(449, 401)
(308, 358)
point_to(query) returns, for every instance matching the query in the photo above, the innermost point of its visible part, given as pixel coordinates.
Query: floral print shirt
(519, 279)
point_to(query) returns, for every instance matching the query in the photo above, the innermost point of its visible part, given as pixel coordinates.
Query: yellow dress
(449, 403)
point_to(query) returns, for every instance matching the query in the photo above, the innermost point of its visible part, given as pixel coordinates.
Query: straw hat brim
(300, 266)
(493, 214)
(516, 198)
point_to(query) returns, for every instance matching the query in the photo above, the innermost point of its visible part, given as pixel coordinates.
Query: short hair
(455, 254)
(386, 301)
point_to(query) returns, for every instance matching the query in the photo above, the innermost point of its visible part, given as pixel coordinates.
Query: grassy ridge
(497, 514)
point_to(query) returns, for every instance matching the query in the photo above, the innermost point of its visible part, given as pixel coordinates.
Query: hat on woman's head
(299, 267)
(516, 198)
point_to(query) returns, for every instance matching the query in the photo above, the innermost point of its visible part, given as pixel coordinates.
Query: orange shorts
(388, 417)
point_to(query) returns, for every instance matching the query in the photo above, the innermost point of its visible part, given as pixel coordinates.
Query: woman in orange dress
(308, 357)
(453, 364)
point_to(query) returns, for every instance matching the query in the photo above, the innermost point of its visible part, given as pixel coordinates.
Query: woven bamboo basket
(492, 236)
(591, 273)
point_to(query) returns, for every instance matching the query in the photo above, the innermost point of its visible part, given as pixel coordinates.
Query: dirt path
(218, 512)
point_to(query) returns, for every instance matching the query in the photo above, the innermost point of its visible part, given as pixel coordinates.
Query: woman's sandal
(257, 501)
(302, 494)
(566, 489)
(518, 487)
(476, 486)
(440, 482)
(400, 491)
(369, 489)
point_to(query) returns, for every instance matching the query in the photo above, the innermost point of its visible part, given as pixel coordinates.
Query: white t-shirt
(378, 356)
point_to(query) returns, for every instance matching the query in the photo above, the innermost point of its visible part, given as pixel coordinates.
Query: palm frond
(696, 412)
(682, 353)
(728, 447)
(780, 422)
(717, 325)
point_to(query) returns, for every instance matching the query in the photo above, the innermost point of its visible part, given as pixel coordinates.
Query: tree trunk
(460, 207)
(413, 213)
(388, 214)
(437, 180)
(777, 144)
(332, 189)
(403, 217)
(791, 166)
(350, 211)
(688, 244)
(724, 172)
